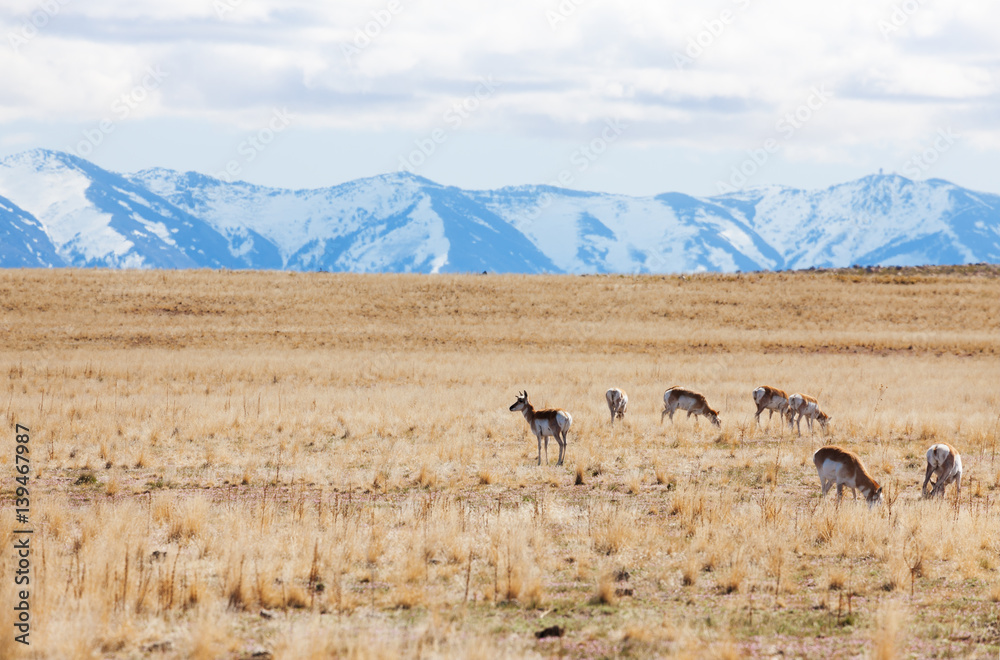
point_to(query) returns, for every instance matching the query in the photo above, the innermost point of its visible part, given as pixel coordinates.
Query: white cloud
(563, 72)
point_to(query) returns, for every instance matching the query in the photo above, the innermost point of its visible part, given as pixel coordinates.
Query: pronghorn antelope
(771, 399)
(943, 460)
(617, 403)
(545, 423)
(693, 402)
(836, 465)
(805, 406)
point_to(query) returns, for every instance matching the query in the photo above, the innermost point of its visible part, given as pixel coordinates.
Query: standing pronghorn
(943, 460)
(543, 423)
(617, 403)
(805, 406)
(836, 465)
(693, 402)
(771, 399)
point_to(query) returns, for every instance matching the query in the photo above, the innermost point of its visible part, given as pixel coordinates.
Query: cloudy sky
(640, 97)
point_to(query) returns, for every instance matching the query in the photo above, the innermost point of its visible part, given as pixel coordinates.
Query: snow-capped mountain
(887, 220)
(594, 232)
(393, 222)
(96, 218)
(60, 210)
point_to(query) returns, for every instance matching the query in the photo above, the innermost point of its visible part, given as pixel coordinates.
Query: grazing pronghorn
(693, 402)
(545, 423)
(943, 460)
(806, 406)
(770, 399)
(617, 403)
(836, 465)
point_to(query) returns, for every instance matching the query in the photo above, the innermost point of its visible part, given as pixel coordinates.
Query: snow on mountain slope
(288, 219)
(58, 209)
(592, 232)
(23, 241)
(393, 222)
(97, 218)
(967, 232)
(886, 220)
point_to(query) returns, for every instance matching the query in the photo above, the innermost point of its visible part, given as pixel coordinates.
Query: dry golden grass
(325, 465)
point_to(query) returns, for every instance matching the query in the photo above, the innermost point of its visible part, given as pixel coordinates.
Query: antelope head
(875, 499)
(521, 403)
(823, 420)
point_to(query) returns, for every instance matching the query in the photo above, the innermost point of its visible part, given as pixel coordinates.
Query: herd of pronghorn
(835, 465)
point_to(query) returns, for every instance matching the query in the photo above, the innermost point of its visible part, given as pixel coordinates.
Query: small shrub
(427, 477)
(634, 483)
(605, 593)
(689, 574)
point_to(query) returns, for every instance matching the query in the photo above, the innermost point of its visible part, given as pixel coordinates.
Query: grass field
(230, 464)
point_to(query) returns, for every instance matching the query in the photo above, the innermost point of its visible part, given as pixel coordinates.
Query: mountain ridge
(57, 209)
